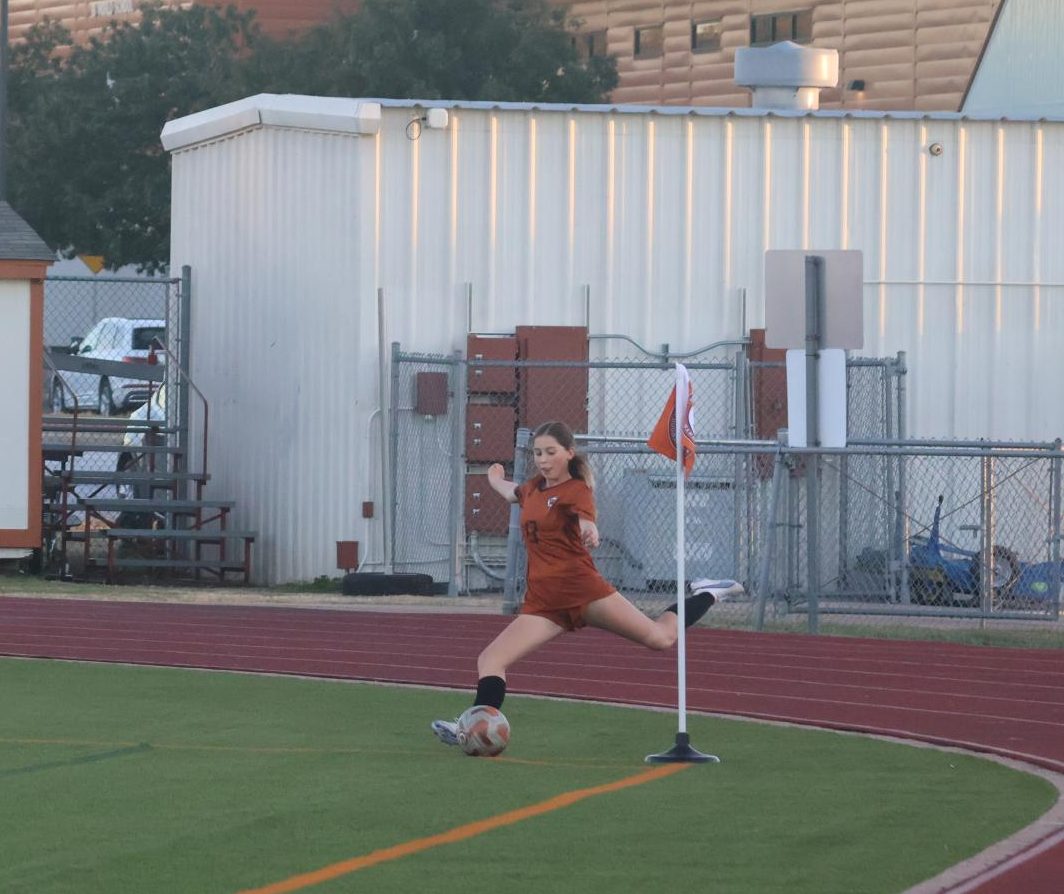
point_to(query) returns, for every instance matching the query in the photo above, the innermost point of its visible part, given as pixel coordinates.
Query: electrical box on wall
(347, 555)
(430, 393)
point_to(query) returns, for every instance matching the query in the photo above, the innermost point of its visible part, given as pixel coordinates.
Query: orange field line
(460, 833)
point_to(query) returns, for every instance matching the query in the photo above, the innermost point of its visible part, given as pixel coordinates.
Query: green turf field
(145, 780)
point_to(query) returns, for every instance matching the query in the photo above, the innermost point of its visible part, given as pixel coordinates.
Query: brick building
(85, 18)
(893, 54)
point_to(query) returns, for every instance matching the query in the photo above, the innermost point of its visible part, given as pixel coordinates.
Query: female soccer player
(565, 590)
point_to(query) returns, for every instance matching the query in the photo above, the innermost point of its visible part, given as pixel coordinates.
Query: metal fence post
(768, 548)
(794, 531)
(901, 502)
(844, 522)
(184, 358)
(458, 402)
(986, 557)
(814, 301)
(900, 371)
(890, 475)
(812, 539)
(513, 533)
(1054, 529)
(898, 566)
(390, 501)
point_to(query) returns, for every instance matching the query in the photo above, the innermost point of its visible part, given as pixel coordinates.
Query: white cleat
(446, 731)
(722, 590)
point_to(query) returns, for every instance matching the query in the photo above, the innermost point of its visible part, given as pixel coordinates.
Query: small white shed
(293, 211)
(24, 258)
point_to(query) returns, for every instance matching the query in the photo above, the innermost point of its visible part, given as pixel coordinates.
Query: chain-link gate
(453, 416)
(427, 466)
(107, 321)
(112, 348)
(993, 553)
(941, 529)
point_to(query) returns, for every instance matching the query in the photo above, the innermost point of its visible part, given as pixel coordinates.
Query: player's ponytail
(579, 467)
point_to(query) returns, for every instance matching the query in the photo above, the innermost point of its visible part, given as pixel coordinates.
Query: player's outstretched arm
(497, 479)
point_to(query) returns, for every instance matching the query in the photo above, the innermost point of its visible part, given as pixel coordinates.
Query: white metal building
(293, 211)
(1022, 69)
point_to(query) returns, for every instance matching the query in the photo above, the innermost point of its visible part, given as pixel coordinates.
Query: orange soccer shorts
(566, 618)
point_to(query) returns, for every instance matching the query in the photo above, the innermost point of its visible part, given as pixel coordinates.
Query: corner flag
(663, 439)
(678, 428)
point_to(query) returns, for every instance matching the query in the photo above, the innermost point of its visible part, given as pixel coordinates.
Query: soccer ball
(483, 731)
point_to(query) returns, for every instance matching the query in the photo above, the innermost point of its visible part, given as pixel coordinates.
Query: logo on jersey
(551, 501)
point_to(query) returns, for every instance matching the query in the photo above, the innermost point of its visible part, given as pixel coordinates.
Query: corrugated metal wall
(663, 217)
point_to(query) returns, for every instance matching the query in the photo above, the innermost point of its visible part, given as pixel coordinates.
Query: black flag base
(682, 753)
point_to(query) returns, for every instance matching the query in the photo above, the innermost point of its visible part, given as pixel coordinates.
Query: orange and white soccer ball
(483, 731)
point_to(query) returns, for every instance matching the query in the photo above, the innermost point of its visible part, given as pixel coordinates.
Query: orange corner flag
(663, 439)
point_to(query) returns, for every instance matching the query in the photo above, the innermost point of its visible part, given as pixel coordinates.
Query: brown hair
(578, 465)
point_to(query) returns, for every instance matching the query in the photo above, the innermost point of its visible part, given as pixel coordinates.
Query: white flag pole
(681, 552)
(682, 750)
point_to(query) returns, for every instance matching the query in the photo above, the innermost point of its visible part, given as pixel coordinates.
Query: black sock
(694, 607)
(490, 691)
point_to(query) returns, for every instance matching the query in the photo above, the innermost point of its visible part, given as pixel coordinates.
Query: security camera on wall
(437, 119)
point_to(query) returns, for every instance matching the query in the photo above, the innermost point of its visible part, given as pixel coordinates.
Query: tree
(87, 169)
(501, 50)
(88, 172)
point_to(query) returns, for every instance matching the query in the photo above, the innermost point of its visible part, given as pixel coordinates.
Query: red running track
(1001, 701)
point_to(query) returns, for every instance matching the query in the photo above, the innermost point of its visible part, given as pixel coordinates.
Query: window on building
(591, 43)
(705, 36)
(776, 26)
(108, 8)
(649, 42)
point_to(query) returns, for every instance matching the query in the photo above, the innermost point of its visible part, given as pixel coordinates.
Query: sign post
(816, 330)
(814, 302)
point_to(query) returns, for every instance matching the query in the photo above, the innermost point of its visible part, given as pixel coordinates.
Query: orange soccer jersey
(561, 572)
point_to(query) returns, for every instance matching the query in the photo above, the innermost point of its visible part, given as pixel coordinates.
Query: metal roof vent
(785, 75)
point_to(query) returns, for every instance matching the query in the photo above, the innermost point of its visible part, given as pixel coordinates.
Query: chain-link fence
(453, 416)
(114, 320)
(932, 530)
(427, 466)
(944, 530)
(73, 306)
(875, 397)
(102, 368)
(939, 529)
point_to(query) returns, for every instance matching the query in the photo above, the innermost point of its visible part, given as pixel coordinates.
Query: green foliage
(87, 170)
(321, 584)
(501, 50)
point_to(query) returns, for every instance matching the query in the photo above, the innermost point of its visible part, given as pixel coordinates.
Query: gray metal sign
(841, 313)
